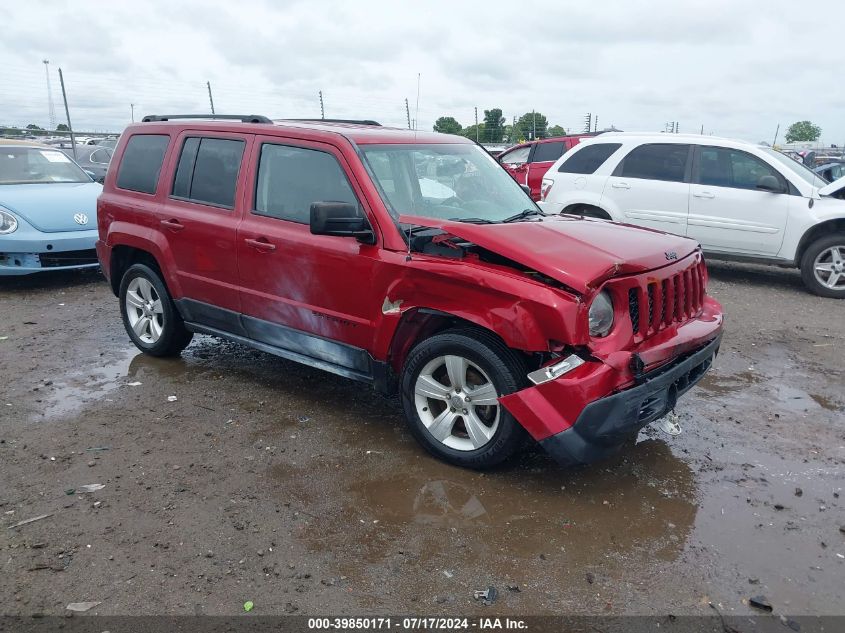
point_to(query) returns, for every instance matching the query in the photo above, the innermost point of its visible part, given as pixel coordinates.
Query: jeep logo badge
(670, 255)
(80, 218)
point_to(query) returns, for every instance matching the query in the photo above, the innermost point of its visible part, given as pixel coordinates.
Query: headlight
(601, 314)
(8, 223)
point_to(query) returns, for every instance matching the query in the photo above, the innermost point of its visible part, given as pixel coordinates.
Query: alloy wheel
(829, 268)
(144, 310)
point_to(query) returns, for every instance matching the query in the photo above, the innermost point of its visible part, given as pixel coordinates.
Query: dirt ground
(302, 492)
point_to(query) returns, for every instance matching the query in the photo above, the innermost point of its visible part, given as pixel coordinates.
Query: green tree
(32, 126)
(61, 127)
(470, 132)
(533, 125)
(447, 125)
(803, 131)
(557, 130)
(494, 126)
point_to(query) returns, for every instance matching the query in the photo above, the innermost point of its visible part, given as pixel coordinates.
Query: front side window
(548, 152)
(656, 161)
(208, 171)
(725, 167)
(589, 158)
(446, 181)
(141, 162)
(517, 156)
(25, 165)
(291, 179)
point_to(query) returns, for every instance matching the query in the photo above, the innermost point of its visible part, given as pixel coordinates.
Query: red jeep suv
(529, 162)
(410, 261)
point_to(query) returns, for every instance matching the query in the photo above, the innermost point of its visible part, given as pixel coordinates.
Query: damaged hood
(576, 252)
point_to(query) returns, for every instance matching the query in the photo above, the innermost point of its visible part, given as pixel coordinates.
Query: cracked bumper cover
(575, 427)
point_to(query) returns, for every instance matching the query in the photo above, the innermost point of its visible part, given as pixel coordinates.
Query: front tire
(450, 387)
(149, 314)
(823, 266)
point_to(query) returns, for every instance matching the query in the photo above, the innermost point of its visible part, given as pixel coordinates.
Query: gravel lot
(302, 491)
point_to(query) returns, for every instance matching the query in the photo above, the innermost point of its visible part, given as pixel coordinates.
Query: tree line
(493, 129)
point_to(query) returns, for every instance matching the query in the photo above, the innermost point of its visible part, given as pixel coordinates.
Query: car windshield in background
(26, 165)
(803, 172)
(448, 182)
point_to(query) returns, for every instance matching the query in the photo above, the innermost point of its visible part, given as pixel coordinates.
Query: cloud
(737, 69)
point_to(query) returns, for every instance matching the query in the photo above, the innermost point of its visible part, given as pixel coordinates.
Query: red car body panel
(380, 299)
(532, 171)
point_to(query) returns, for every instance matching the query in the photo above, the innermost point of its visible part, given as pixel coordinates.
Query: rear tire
(823, 266)
(149, 314)
(590, 212)
(450, 387)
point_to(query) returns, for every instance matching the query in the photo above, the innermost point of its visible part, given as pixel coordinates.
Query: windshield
(448, 182)
(806, 174)
(23, 165)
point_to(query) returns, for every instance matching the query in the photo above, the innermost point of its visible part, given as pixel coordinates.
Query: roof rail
(244, 118)
(353, 121)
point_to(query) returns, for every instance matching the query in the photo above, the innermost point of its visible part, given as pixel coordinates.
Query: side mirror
(769, 183)
(342, 219)
(526, 189)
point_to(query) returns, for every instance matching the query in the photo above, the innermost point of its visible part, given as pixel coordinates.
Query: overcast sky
(736, 68)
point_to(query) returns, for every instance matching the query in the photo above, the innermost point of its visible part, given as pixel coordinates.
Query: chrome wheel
(457, 403)
(829, 268)
(144, 310)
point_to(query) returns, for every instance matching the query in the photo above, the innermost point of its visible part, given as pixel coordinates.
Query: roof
(357, 133)
(672, 137)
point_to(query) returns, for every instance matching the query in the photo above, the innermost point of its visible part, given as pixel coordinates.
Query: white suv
(739, 200)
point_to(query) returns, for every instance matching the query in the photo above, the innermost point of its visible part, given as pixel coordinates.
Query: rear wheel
(450, 388)
(823, 266)
(149, 314)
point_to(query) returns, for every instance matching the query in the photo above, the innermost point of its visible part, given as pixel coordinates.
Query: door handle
(621, 185)
(172, 224)
(260, 244)
(704, 194)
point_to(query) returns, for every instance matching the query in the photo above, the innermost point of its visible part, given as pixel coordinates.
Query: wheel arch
(836, 225)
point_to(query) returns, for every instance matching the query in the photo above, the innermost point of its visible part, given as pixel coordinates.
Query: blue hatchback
(48, 211)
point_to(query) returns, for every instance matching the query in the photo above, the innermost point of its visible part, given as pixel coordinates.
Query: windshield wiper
(473, 220)
(525, 213)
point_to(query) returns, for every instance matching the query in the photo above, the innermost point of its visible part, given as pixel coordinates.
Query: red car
(410, 262)
(529, 162)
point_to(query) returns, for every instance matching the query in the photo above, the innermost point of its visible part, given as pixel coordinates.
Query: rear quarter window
(548, 152)
(141, 163)
(589, 158)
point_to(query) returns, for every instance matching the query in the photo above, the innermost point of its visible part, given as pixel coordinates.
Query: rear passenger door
(309, 294)
(545, 155)
(199, 220)
(515, 163)
(651, 186)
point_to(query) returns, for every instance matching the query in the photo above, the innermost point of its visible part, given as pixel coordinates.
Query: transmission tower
(51, 107)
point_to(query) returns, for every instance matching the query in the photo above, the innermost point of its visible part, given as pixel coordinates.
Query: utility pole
(533, 125)
(210, 99)
(50, 108)
(702, 130)
(774, 142)
(408, 113)
(588, 122)
(596, 124)
(132, 108)
(67, 114)
(322, 110)
(476, 125)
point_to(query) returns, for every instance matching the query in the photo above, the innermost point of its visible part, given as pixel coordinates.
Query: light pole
(51, 108)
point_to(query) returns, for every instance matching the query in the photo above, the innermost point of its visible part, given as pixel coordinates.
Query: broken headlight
(601, 314)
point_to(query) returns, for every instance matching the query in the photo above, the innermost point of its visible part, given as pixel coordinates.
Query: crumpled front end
(666, 333)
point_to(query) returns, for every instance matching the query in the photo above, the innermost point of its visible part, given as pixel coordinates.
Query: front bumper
(604, 425)
(34, 252)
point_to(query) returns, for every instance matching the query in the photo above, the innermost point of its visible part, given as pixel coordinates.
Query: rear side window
(141, 162)
(589, 158)
(517, 156)
(208, 171)
(548, 152)
(656, 161)
(290, 179)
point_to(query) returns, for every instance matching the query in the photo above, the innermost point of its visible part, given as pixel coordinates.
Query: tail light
(546, 188)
